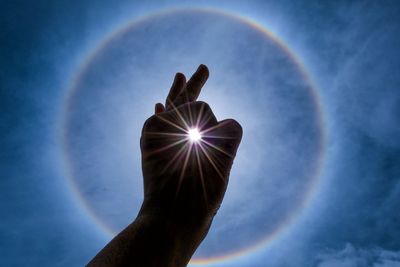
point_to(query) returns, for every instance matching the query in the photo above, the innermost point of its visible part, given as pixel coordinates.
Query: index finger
(176, 88)
(193, 87)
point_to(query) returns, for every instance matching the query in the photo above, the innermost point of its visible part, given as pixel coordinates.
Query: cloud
(351, 256)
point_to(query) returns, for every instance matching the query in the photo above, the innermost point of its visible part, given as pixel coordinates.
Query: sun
(194, 135)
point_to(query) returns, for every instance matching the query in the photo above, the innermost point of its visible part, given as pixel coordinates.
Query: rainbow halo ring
(279, 108)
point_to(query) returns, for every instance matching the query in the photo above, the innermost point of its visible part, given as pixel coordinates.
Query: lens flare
(194, 135)
(191, 137)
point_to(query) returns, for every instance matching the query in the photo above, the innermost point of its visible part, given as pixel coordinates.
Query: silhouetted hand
(185, 179)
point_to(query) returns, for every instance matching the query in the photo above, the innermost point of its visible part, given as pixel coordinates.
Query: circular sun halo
(218, 257)
(194, 135)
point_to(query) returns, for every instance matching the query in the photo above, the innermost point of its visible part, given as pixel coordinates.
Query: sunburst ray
(179, 116)
(166, 147)
(214, 127)
(167, 134)
(184, 168)
(174, 158)
(172, 123)
(217, 148)
(208, 156)
(201, 176)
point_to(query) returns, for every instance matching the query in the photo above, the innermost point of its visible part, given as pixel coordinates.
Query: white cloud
(356, 257)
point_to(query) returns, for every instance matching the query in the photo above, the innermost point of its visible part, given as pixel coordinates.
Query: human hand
(185, 180)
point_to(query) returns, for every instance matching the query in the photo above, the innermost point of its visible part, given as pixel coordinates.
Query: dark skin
(184, 180)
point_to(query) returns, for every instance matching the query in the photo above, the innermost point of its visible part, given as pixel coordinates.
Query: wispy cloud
(351, 256)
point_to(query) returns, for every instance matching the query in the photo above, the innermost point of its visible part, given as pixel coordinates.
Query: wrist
(186, 227)
(153, 211)
(177, 242)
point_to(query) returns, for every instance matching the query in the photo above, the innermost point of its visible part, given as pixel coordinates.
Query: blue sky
(349, 49)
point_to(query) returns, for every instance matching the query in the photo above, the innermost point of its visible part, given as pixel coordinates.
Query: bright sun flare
(194, 135)
(192, 139)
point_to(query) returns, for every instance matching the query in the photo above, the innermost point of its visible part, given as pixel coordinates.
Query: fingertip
(180, 77)
(202, 67)
(204, 70)
(179, 82)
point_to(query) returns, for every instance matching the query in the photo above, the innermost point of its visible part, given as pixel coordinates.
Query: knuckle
(203, 104)
(149, 122)
(238, 127)
(235, 128)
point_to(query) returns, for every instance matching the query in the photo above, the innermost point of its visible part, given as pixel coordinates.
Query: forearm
(151, 241)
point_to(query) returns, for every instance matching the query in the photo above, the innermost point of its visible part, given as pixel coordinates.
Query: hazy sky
(349, 50)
